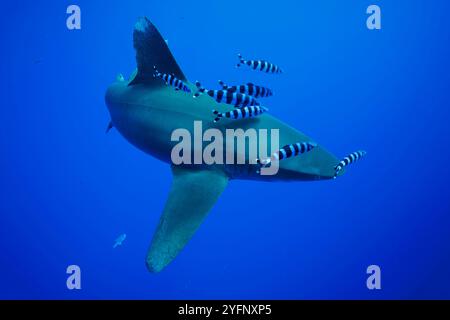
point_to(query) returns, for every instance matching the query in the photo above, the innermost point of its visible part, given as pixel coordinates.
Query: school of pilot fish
(243, 98)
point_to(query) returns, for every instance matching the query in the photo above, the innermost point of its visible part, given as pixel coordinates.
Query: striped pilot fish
(240, 113)
(171, 80)
(248, 89)
(260, 65)
(288, 151)
(352, 157)
(236, 99)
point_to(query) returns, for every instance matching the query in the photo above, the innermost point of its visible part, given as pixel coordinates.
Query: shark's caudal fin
(151, 51)
(191, 197)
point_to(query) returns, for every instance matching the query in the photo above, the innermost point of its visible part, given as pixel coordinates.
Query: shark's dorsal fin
(193, 194)
(151, 51)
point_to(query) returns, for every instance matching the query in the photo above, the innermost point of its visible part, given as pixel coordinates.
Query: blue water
(68, 190)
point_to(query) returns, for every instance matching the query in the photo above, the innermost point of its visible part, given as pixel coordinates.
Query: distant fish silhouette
(119, 240)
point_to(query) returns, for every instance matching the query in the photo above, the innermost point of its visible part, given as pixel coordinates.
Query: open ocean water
(68, 190)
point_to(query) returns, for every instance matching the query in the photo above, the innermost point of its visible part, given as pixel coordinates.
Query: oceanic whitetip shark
(146, 111)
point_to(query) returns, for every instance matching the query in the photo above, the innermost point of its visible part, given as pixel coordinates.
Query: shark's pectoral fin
(193, 194)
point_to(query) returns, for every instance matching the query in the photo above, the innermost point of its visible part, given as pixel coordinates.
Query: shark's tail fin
(200, 89)
(241, 60)
(223, 85)
(152, 50)
(218, 115)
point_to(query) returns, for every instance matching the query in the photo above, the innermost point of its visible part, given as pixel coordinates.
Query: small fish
(171, 80)
(119, 240)
(260, 65)
(236, 99)
(288, 151)
(352, 157)
(248, 89)
(240, 113)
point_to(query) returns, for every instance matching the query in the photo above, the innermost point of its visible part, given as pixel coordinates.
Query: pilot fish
(171, 80)
(248, 89)
(236, 99)
(240, 113)
(260, 65)
(352, 157)
(288, 151)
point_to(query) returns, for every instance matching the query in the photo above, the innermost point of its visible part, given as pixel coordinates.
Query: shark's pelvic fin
(193, 194)
(151, 51)
(109, 127)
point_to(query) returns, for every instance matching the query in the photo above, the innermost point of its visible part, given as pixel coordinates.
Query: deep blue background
(67, 190)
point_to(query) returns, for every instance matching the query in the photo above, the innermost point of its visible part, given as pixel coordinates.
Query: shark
(145, 112)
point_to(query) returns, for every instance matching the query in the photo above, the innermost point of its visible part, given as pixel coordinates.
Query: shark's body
(146, 112)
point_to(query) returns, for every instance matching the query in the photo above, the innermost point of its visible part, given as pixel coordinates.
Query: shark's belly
(152, 122)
